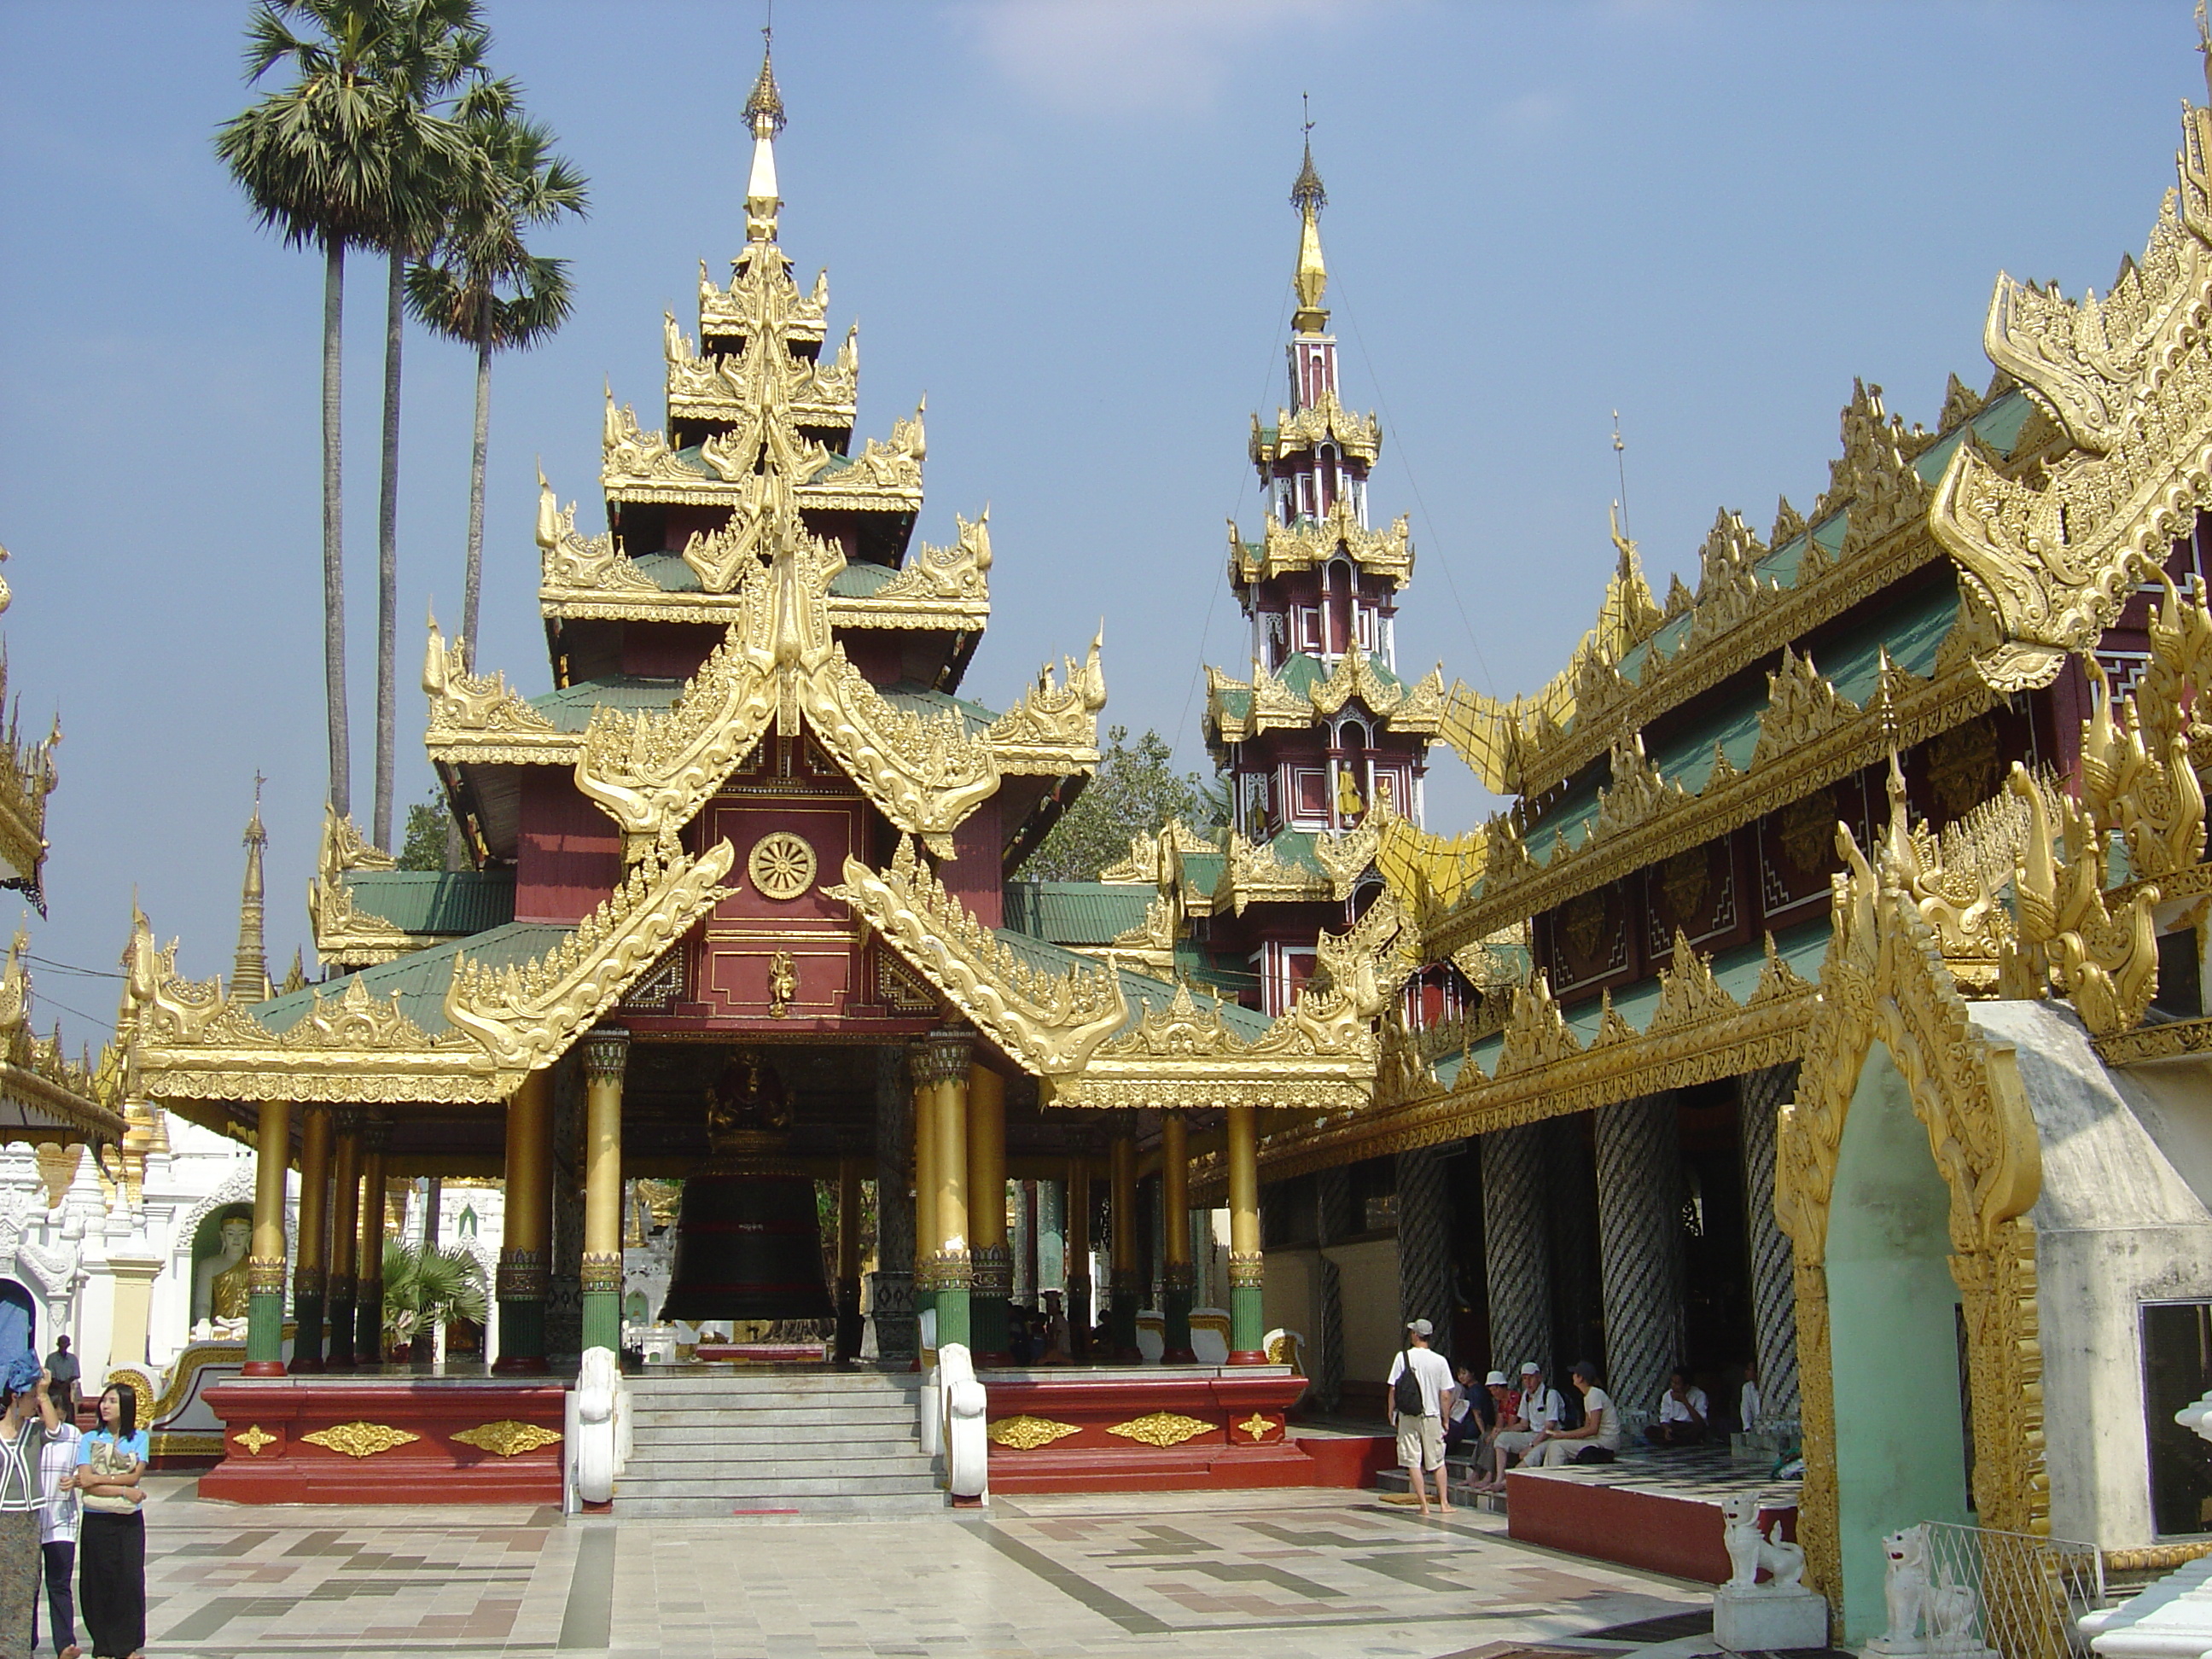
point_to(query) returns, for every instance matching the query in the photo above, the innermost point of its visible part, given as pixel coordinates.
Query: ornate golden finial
(2204, 46)
(764, 110)
(249, 972)
(1308, 197)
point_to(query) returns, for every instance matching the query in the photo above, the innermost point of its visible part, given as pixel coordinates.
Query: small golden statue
(782, 984)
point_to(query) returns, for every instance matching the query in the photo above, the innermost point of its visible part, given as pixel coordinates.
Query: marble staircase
(720, 1440)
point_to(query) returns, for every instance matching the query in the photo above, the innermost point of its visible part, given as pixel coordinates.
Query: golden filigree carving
(1026, 1433)
(781, 865)
(1874, 476)
(28, 776)
(1308, 543)
(508, 1438)
(960, 571)
(1638, 792)
(1536, 1033)
(1162, 1429)
(1884, 979)
(2153, 801)
(253, 1437)
(479, 717)
(1258, 1428)
(1053, 722)
(2053, 554)
(1049, 1024)
(345, 935)
(1253, 873)
(2107, 964)
(524, 1017)
(1801, 706)
(360, 1439)
(1324, 421)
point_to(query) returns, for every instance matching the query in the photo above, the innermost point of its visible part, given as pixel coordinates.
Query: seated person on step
(1598, 1440)
(1684, 1414)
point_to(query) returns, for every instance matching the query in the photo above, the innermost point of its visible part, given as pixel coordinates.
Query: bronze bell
(748, 1237)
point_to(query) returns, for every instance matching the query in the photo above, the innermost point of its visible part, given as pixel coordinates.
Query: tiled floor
(1330, 1575)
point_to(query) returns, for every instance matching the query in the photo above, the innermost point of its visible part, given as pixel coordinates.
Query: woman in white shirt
(1598, 1439)
(57, 1538)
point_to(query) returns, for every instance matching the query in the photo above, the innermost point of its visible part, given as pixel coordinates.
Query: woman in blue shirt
(29, 1417)
(112, 1535)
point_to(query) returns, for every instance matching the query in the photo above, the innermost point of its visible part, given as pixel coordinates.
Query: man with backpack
(1421, 1393)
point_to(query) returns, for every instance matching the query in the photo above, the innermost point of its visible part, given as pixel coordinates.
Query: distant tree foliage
(424, 847)
(1135, 792)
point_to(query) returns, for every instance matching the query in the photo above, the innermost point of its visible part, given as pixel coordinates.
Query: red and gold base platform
(1147, 1428)
(389, 1438)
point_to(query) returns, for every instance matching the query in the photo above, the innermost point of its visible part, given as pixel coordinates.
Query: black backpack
(1405, 1393)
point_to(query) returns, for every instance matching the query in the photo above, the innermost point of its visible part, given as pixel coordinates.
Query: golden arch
(1884, 979)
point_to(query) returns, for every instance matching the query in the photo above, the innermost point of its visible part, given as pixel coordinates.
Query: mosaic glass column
(607, 1057)
(942, 1064)
(924, 1095)
(1773, 1271)
(848, 1258)
(528, 1228)
(311, 1273)
(264, 1270)
(1639, 1216)
(342, 1297)
(1516, 1256)
(994, 1261)
(1247, 1267)
(368, 1309)
(892, 1289)
(1177, 1277)
(1332, 1219)
(1425, 1242)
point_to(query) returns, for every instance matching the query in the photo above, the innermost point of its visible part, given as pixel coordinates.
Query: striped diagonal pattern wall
(1332, 1194)
(1639, 1203)
(1762, 1096)
(1516, 1257)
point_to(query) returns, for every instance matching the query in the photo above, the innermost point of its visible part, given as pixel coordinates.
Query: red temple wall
(568, 855)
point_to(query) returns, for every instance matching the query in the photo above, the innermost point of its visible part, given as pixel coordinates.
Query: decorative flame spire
(1308, 197)
(249, 973)
(764, 110)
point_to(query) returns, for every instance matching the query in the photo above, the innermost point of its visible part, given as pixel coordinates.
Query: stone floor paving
(1296, 1575)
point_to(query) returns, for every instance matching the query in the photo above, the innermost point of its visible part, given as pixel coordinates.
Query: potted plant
(424, 1289)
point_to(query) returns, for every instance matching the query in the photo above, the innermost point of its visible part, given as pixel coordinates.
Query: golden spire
(1309, 197)
(249, 972)
(764, 110)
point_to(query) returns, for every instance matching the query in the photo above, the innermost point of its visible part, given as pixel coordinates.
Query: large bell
(747, 1237)
(748, 1246)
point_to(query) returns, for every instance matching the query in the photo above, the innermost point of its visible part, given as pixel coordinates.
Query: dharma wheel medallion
(781, 865)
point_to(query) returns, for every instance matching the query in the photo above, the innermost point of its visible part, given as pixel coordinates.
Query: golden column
(1177, 1279)
(309, 1273)
(986, 1216)
(343, 1298)
(528, 1227)
(941, 1066)
(925, 1185)
(264, 1269)
(1246, 1343)
(368, 1316)
(848, 1258)
(606, 1056)
(1122, 1288)
(1075, 1256)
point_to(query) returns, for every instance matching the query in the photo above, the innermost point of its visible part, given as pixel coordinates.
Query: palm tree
(332, 160)
(483, 288)
(425, 1287)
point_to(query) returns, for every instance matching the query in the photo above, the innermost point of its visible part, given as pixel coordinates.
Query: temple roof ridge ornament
(2054, 553)
(1324, 419)
(764, 114)
(28, 776)
(1308, 197)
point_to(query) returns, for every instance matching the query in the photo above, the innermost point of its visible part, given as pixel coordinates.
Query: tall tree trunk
(472, 574)
(387, 562)
(334, 669)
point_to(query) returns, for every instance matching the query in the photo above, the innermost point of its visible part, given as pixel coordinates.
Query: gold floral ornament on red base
(361, 1440)
(1162, 1428)
(508, 1437)
(1028, 1433)
(253, 1437)
(1257, 1427)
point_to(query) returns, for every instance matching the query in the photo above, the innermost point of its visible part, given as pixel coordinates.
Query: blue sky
(1065, 222)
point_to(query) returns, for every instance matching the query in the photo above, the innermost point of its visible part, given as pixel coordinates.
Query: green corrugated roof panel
(1076, 911)
(1302, 672)
(861, 580)
(1141, 990)
(1202, 871)
(571, 708)
(443, 901)
(668, 572)
(916, 699)
(420, 978)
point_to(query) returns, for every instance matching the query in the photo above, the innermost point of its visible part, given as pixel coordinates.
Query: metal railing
(2015, 1594)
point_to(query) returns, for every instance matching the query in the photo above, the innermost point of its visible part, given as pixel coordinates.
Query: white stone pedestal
(1763, 1620)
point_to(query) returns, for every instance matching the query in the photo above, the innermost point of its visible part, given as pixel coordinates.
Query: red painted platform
(1631, 1514)
(1223, 1426)
(385, 1440)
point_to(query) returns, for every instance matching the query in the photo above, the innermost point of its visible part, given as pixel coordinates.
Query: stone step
(712, 1474)
(851, 1484)
(877, 1419)
(859, 1452)
(821, 1383)
(697, 1507)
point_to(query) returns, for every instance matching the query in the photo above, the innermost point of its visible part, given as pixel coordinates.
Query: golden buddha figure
(223, 1275)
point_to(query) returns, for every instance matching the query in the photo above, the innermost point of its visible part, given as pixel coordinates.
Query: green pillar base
(369, 1325)
(1121, 1318)
(603, 1320)
(264, 1334)
(993, 1329)
(1175, 1322)
(1246, 1326)
(955, 1316)
(307, 1331)
(339, 1314)
(521, 1337)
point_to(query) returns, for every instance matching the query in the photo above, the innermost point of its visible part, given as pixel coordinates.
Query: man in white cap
(1540, 1409)
(1419, 1392)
